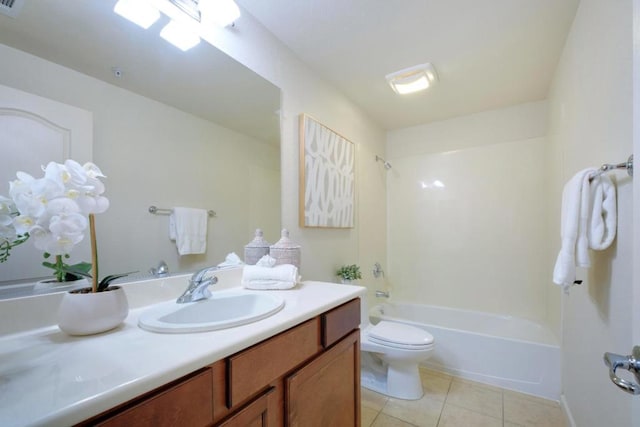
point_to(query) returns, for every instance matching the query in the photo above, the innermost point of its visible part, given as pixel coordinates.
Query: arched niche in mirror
(35, 131)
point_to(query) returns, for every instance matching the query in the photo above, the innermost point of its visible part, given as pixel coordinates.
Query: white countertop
(50, 378)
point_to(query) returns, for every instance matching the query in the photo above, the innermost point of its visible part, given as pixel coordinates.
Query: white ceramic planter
(92, 313)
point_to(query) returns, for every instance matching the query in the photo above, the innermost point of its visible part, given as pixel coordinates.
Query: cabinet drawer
(189, 403)
(253, 369)
(340, 321)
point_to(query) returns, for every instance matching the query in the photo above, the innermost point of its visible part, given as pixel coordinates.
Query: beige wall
(591, 123)
(477, 241)
(154, 154)
(323, 250)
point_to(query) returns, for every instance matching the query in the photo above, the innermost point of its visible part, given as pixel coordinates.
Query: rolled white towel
(231, 260)
(604, 216)
(266, 261)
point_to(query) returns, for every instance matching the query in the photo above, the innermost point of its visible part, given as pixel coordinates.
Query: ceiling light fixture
(139, 12)
(413, 79)
(180, 35)
(219, 12)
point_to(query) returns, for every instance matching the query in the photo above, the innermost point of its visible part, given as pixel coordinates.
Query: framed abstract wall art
(327, 176)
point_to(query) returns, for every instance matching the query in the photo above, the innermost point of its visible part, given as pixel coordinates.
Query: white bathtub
(505, 351)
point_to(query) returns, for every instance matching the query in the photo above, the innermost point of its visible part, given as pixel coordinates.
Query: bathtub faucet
(377, 270)
(382, 294)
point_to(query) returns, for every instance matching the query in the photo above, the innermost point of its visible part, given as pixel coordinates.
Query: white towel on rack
(589, 220)
(573, 229)
(604, 213)
(190, 226)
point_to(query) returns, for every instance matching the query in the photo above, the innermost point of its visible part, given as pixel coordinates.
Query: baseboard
(566, 411)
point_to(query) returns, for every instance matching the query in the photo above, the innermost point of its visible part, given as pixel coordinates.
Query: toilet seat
(399, 335)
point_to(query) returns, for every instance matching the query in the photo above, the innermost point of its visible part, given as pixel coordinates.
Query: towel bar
(162, 211)
(628, 165)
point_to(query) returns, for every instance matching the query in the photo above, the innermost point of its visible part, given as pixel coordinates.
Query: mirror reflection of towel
(188, 226)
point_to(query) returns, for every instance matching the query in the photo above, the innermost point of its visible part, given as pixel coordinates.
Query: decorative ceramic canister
(256, 249)
(285, 251)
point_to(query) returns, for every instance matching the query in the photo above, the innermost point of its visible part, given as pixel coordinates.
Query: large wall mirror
(170, 128)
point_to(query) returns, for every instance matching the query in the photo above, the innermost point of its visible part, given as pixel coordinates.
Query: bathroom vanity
(298, 367)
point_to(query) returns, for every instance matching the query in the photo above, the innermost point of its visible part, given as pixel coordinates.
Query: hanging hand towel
(573, 229)
(190, 230)
(604, 214)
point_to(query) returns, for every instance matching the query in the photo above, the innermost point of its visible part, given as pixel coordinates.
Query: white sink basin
(222, 310)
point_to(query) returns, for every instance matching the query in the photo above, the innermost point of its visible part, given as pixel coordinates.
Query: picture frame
(327, 176)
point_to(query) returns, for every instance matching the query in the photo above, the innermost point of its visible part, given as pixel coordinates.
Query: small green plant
(349, 272)
(64, 272)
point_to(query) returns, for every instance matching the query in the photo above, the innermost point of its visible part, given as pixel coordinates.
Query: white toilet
(390, 356)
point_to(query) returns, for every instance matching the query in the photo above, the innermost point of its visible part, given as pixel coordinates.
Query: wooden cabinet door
(256, 414)
(326, 392)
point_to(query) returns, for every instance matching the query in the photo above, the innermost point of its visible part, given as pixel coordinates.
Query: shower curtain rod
(628, 165)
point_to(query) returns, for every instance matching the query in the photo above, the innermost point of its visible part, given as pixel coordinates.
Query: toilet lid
(391, 333)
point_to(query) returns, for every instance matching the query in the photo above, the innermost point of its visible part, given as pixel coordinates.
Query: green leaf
(76, 272)
(81, 266)
(104, 283)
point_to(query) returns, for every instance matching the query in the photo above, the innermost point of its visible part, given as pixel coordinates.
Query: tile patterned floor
(454, 402)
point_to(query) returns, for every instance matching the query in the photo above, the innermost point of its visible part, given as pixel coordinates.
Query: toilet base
(401, 381)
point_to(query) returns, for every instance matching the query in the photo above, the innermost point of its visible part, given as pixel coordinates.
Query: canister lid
(285, 242)
(258, 241)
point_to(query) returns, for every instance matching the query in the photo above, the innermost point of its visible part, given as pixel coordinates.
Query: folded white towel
(268, 284)
(190, 230)
(588, 221)
(283, 276)
(604, 214)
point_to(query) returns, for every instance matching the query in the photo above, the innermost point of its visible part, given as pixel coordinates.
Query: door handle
(630, 363)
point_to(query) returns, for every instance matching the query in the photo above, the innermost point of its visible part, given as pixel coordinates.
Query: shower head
(386, 164)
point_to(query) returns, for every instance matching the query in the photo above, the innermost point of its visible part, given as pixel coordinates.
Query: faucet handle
(377, 270)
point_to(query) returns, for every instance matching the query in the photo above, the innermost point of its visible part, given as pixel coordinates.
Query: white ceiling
(488, 53)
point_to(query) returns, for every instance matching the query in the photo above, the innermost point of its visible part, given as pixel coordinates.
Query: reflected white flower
(53, 209)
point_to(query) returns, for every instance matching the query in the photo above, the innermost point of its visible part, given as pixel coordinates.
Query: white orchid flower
(69, 174)
(31, 196)
(64, 232)
(89, 197)
(24, 224)
(54, 209)
(92, 170)
(6, 205)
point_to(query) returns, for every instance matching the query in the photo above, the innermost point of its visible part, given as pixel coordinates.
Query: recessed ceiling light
(218, 12)
(413, 79)
(137, 11)
(180, 35)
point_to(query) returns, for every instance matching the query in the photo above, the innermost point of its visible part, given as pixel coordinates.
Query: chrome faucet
(161, 271)
(377, 270)
(198, 286)
(382, 294)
